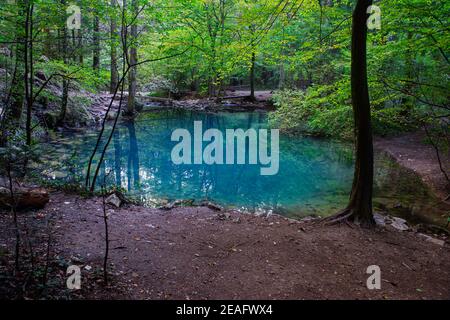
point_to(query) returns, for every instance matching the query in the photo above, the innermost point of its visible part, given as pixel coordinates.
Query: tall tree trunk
(48, 43)
(65, 84)
(131, 103)
(359, 208)
(18, 83)
(28, 68)
(114, 73)
(361, 195)
(80, 47)
(252, 78)
(96, 43)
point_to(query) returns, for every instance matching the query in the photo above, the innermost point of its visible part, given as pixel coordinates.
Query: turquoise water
(314, 175)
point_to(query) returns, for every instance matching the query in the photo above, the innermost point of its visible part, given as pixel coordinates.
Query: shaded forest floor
(198, 253)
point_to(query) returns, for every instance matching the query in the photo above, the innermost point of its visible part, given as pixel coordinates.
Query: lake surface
(314, 176)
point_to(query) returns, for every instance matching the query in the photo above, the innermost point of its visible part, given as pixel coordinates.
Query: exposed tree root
(340, 217)
(348, 217)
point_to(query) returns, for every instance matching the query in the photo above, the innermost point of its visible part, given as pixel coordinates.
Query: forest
(97, 200)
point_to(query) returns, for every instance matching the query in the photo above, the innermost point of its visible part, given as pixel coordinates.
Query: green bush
(326, 110)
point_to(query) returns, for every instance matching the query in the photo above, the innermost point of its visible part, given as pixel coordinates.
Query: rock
(308, 218)
(168, 206)
(114, 200)
(379, 219)
(5, 51)
(35, 198)
(212, 206)
(177, 203)
(432, 240)
(395, 222)
(399, 224)
(224, 216)
(111, 116)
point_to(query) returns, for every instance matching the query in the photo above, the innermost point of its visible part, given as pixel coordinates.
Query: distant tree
(113, 48)
(96, 42)
(133, 59)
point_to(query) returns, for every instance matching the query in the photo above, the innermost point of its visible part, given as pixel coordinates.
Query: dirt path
(410, 151)
(197, 253)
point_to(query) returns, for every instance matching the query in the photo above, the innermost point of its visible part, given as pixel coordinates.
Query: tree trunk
(114, 73)
(80, 47)
(64, 102)
(360, 203)
(133, 60)
(18, 83)
(65, 84)
(96, 43)
(359, 208)
(252, 78)
(18, 88)
(28, 69)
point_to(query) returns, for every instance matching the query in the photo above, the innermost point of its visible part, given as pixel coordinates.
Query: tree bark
(96, 43)
(18, 83)
(80, 47)
(252, 78)
(28, 55)
(132, 87)
(359, 208)
(114, 73)
(65, 84)
(360, 203)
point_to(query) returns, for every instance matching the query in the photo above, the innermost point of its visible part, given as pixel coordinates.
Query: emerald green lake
(314, 176)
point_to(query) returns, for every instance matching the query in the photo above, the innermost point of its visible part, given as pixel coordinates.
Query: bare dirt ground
(410, 151)
(260, 95)
(198, 253)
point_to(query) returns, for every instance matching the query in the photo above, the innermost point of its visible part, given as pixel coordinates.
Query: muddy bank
(410, 151)
(199, 253)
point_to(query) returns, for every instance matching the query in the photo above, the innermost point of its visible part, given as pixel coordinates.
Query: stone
(379, 219)
(224, 216)
(428, 238)
(212, 206)
(399, 224)
(114, 200)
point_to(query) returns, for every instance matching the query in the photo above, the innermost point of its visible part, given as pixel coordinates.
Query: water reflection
(314, 176)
